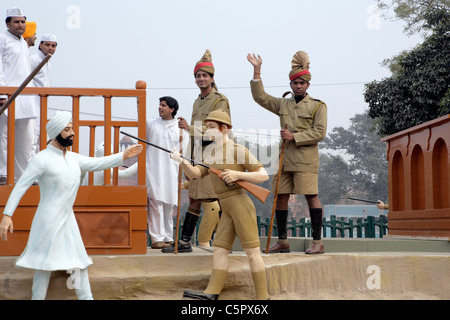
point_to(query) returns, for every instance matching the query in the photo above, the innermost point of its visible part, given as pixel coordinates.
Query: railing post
(11, 144)
(107, 149)
(333, 226)
(43, 122)
(116, 150)
(91, 150)
(359, 228)
(370, 227)
(141, 110)
(76, 123)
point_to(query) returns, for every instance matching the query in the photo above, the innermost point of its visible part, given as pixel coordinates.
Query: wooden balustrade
(112, 218)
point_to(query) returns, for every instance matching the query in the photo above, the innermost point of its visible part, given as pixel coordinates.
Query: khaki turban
(205, 63)
(30, 29)
(57, 124)
(300, 67)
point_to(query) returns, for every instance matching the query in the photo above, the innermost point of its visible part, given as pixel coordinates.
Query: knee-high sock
(282, 217)
(316, 223)
(41, 279)
(260, 283)
(190, 222)
(217, 281)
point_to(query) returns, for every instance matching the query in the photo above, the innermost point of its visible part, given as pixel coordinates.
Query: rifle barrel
(363, 200)
(163, 149)
(244, 184)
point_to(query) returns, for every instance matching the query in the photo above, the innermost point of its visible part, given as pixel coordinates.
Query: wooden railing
(76, 93)
(112, 218)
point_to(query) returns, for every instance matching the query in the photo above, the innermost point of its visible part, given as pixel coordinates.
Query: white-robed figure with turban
(55, 241)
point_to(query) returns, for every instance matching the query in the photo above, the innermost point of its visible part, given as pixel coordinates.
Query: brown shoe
(315, 248)
(279, 248)
(160, 245)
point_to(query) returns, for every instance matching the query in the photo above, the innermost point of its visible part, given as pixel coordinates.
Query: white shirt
(162, 172)
(55, 242)
(14, 69)
(42, 78)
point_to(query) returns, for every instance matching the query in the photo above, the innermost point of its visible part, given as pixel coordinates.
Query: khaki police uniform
(307, 120)
(238, 212)
(201, 188)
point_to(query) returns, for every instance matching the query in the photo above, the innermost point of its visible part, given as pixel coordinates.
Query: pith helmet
(219, 116)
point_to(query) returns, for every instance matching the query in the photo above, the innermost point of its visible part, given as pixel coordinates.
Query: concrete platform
(350, 269)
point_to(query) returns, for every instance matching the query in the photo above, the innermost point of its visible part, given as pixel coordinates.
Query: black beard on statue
(67, 142)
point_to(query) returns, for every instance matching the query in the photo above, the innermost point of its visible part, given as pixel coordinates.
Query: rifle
(24, 83)
(259, 192)
(363, 200)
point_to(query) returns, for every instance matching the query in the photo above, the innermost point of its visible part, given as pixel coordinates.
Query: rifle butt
(259, 192)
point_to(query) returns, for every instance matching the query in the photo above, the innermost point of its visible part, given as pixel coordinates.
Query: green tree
(360, 167)
(335, 178)
(419, 15)
(419, 88)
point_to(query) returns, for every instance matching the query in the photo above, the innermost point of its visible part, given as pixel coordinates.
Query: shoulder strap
(317, 107)
(287, 93)
(214, 105)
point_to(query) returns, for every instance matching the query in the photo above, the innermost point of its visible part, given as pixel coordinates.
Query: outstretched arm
(190, 171)
(258, 176)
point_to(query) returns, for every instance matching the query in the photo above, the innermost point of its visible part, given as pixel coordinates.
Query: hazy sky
(112, 44)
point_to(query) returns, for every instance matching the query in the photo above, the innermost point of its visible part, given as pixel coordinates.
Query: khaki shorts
(238, 218)
(296, 182)
(210, 220)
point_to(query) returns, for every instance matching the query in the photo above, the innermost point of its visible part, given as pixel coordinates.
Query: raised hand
(132, 151)
(254, 60)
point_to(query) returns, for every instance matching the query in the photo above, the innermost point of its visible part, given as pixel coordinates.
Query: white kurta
(14, 69)
(162, 172)
(55, 242)
(42, 78)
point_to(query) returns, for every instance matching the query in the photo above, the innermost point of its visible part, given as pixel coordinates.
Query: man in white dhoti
(47, 46)
(14, 69)
(55, 242)
(162, 174)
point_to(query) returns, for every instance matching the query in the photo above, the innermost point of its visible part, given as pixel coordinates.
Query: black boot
(281, 246)
(184, 245)
(199, 295)
(316, 225)
(282, 218)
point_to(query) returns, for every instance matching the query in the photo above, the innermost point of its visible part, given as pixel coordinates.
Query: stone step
(359, 274)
